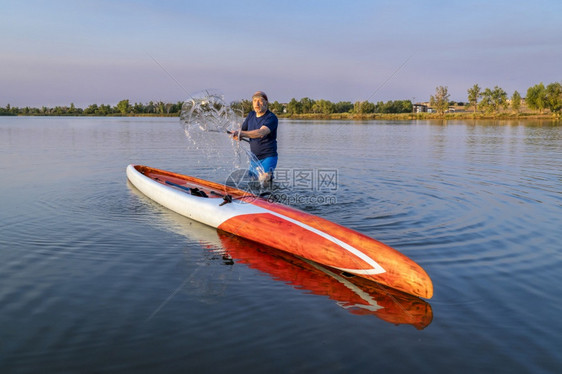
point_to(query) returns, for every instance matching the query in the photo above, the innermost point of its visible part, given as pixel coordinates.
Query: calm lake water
(94, 277)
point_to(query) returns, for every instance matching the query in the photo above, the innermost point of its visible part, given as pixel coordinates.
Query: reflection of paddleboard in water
(281, 227)
(355, 294)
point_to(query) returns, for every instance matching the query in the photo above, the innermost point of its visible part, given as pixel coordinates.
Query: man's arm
(258, 133)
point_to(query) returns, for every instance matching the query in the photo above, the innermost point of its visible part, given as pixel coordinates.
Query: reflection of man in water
(261, 128)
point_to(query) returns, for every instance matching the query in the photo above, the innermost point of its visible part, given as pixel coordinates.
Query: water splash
(206, 111)
(207, 120)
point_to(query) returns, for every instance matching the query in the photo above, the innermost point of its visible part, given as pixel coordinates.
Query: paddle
(197, 192)
(234, 133)
(194, 191)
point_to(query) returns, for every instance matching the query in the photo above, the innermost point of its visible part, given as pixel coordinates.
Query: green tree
(493, 100)
(176, 108)
(5, 111)
(294, 107)
(13, 110)
(150, 107)
(406, 106)
(473, 94)
(276, 107)
(138, 108)
(499, 98)
(536, 97)
(58, 111)
(91, 110)
(306, 105)
(103, 110)
(398, 106)
(323, 106)
(516, 101)
(247, 106)
(486, 103)
(554, 97)
(364, 107)
(242, 107)
(160, 107)
(124, 107)
(441, 99)
(343, 107)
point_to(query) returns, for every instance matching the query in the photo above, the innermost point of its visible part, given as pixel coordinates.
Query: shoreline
(425, 116)
(356, 117)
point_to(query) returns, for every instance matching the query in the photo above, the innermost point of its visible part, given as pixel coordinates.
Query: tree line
(325, 107)
(302, 106)
(488, 100)
(493, 100)
(123, 108)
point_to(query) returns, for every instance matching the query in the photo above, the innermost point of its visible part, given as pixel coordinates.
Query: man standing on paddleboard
(260, 126)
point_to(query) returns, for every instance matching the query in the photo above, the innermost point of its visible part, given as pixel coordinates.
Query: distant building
(420, 108)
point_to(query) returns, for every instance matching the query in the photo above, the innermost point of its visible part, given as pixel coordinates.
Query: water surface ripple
(95, 277)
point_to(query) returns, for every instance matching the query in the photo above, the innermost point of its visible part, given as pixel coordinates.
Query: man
(260, 126)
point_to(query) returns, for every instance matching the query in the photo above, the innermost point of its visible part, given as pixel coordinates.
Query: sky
(58, 52)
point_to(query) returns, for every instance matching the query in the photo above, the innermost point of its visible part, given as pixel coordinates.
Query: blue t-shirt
(266, 146)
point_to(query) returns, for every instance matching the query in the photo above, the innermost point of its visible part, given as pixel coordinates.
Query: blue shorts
(268, 164)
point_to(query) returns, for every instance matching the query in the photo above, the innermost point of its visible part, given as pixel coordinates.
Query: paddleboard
(282, 227)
